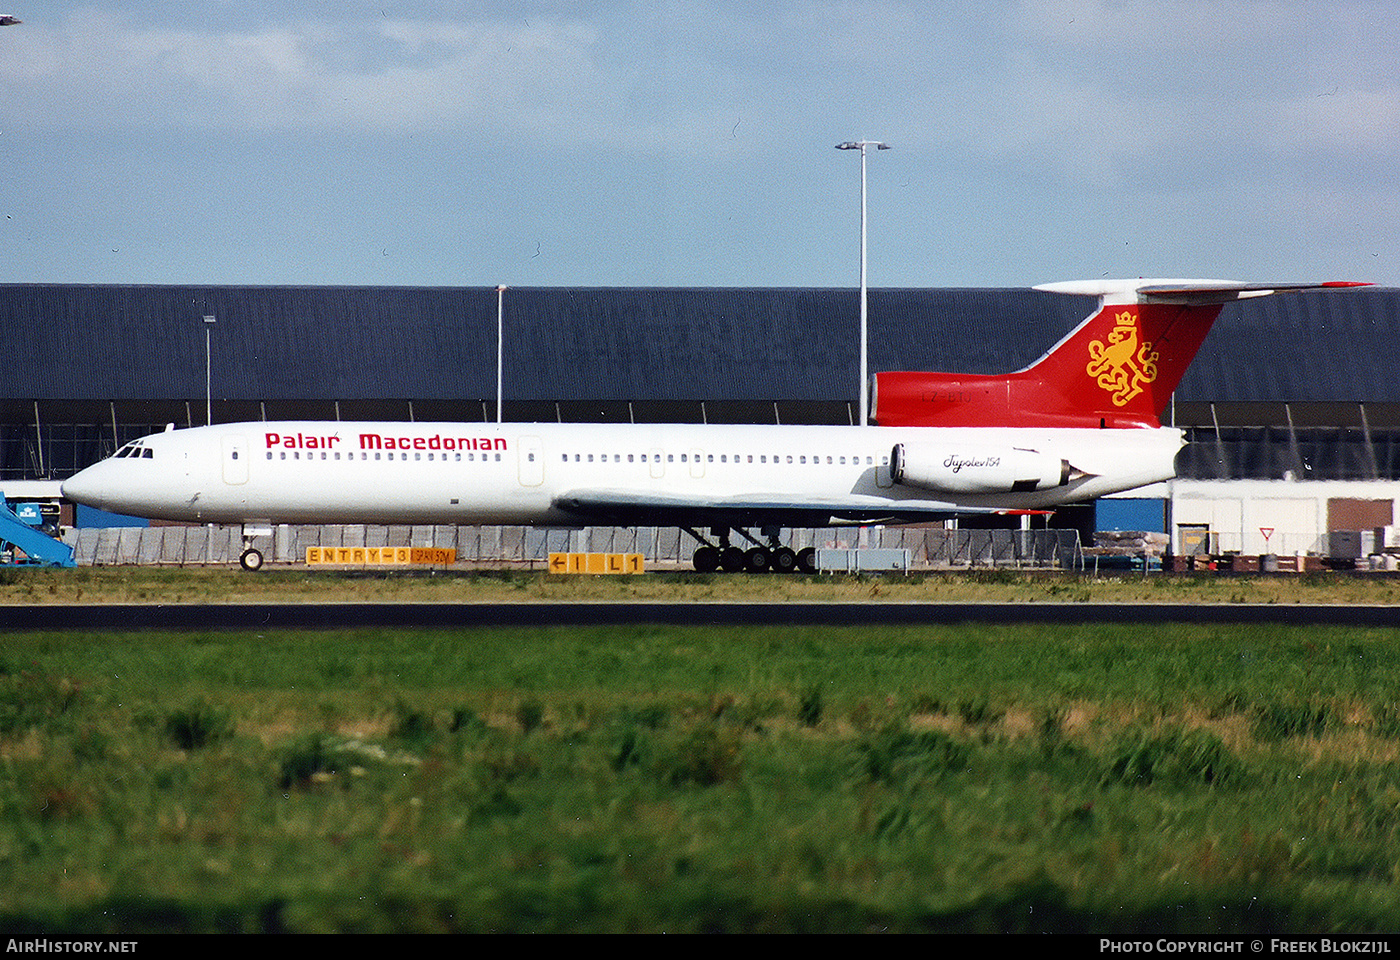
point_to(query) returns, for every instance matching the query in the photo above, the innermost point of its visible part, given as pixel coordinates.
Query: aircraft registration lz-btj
(1081, 422)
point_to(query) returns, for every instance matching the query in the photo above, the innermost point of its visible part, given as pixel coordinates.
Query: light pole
(208, 374)
(864, 339)
(500, 344)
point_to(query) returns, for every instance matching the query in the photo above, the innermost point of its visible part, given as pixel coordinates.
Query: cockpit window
(135, 450)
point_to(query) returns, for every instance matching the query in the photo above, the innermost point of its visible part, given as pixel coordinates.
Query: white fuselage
(538, 473)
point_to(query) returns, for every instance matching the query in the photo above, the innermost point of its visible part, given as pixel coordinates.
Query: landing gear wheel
(807, 559)
(251, 559)
(706, 560)
(784, 560)
(758, 560)
(731, 560)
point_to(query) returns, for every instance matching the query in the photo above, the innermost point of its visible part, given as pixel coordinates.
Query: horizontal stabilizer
(1194, 292)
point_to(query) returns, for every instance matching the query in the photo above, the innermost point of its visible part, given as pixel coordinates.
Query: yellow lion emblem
(1121, 366)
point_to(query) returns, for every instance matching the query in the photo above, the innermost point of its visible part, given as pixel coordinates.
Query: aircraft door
(697, 463)
(235, 459)
(658, 465)
(531, 462)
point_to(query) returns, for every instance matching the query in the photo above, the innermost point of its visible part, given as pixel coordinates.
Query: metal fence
(930, 548)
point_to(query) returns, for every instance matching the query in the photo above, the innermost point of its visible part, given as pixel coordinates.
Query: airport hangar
(1292, 406)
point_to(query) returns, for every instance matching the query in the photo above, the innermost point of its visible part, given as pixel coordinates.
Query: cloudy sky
(619, 143)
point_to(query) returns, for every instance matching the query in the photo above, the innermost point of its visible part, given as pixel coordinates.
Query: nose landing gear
(251, 559)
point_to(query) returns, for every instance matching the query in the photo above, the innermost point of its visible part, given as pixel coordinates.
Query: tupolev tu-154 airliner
(1081, 422)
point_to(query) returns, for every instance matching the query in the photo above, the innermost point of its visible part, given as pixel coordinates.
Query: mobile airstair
(25, 543)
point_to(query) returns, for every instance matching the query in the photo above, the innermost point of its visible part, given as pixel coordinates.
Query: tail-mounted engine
(980, 470)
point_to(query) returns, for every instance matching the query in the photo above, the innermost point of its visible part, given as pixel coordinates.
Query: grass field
(1100, 778)
(299, 584)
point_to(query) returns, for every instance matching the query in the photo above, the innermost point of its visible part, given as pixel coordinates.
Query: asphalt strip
(255, 616)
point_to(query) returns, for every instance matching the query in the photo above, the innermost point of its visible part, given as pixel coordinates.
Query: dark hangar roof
(114, 342)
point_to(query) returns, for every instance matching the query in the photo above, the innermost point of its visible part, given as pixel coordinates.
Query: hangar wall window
(1278, 453)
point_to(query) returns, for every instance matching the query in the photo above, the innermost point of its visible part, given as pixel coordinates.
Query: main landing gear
(771, 557)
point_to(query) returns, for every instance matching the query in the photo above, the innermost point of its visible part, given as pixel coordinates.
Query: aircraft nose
(83, 487)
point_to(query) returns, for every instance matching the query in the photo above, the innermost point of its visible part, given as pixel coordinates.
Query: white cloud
(1076, 85)
(380, 75)
(1092, 90)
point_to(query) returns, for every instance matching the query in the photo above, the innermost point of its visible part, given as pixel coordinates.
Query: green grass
(1104, 779)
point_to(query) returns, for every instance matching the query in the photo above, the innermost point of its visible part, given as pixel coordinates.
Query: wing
(628, 509)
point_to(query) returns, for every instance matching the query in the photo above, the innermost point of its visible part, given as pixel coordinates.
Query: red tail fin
(1116, 369)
